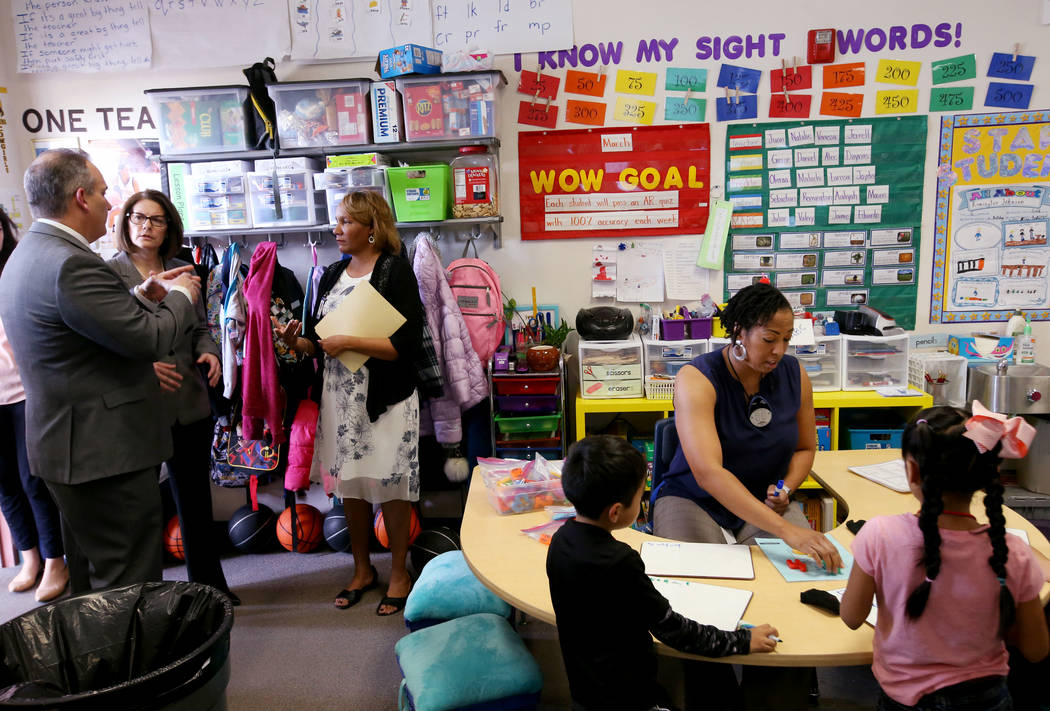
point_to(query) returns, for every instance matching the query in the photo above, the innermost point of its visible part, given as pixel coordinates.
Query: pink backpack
(301, 446)
(476, 287)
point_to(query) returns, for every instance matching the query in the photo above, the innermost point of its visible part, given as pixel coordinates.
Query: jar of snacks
(474, 183)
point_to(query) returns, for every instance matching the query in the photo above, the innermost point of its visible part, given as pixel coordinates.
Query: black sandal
(398, 603)
(353, 597)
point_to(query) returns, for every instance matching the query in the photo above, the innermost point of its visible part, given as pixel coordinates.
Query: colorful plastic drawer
(527, 386)
(526, 403)
(537, 423)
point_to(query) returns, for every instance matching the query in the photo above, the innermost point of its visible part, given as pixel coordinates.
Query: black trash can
(146, 646)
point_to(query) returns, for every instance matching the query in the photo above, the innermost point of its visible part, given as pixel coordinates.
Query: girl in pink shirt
(950, 591)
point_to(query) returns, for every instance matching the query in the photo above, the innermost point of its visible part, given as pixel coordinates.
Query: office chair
(665, 442)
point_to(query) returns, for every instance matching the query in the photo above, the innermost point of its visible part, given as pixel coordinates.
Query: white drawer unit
(869, 362)
(611, 368)
(822, 362)
(296, 189)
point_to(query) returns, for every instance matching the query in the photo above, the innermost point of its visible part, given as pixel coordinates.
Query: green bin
(420, 192)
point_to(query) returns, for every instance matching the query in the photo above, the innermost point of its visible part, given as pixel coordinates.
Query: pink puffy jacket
(301, 446)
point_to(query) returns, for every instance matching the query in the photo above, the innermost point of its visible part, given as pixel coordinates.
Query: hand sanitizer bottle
(1027, 342)
(1015, 326)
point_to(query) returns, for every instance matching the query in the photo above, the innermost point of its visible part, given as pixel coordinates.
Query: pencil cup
(939, 392)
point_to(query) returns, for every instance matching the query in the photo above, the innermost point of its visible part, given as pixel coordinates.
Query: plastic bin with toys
(519, 486)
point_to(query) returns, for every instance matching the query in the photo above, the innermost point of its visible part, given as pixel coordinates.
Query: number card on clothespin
(1008, 96)
(685, 108)
(959, 98)
(840, 75)
(898, 101)
(893, 71)
(1006, 66)
(793, 106)
(586, 83)
(833, 103)
(634, 111)
(681, 79)
(540, 86)
(589, 113)
(632, 82)
(742, 78)
(736, 107)
(536, 113)
(792, 79)
(954, 69)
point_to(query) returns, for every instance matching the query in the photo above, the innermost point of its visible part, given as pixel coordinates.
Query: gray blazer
(86, 347)
(190, 403)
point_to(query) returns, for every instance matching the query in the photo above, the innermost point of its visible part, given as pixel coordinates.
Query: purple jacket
(465, 382)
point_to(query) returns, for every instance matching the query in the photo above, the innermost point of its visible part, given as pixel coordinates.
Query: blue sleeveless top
(757, 456)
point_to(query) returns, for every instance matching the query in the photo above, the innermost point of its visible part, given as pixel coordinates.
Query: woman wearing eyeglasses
(149, 234)
(744, 415)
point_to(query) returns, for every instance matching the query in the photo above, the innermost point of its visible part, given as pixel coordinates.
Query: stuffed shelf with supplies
(528, 412)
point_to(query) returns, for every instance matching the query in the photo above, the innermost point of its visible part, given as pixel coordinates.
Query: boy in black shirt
(606, 606)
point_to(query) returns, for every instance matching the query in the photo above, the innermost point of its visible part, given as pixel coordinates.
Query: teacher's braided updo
(752, 306)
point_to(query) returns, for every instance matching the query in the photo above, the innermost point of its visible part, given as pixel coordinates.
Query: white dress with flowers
(355, 458)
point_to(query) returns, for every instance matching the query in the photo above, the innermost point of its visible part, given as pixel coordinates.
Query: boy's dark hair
(752, 306)
(949, 462)
(602, 470)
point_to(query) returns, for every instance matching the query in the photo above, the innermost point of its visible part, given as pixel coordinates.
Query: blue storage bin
(875, 439)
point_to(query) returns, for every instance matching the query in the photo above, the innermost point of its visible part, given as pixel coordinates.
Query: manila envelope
(364, 313)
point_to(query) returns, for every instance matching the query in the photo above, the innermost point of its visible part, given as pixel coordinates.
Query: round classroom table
(512, 565)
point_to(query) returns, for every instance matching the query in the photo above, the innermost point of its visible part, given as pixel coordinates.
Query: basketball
(430, 543)
(336, 534)
(308, 524)
(251, 531)
(414, 528)
(173, 539)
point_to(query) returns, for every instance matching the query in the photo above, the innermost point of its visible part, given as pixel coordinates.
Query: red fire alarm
(820, 46)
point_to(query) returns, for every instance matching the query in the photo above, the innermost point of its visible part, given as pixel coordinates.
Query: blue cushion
(447, 589)
(473, 662)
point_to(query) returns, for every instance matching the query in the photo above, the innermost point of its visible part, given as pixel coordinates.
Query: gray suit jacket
(190, 403)
(85, 347)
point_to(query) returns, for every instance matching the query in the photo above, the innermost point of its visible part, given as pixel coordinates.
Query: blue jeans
(988, 693)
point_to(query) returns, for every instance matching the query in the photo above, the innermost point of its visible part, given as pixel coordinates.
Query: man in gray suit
(95, 428)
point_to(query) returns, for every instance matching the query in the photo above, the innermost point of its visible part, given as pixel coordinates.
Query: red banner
(612, 182)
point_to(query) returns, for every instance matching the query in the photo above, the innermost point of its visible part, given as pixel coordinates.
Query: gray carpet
(292, 649)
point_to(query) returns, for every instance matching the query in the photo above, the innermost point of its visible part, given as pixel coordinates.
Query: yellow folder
(363, 313)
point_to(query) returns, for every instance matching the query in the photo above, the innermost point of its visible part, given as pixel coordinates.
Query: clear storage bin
(822, 361)
(447, 106)
(869, 362)
(665, 358)
(611, 368)
(337, 182)
(297, 199)
(206, 119)
(321, 113)
(216, 202)
(953, 369)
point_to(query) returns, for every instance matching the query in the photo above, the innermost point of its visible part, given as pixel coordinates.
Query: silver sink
(1014, 390)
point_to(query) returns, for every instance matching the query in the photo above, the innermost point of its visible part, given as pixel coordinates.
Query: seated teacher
(744, 415)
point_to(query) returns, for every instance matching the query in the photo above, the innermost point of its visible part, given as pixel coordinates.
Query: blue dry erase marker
(747, 626)
(780, 487)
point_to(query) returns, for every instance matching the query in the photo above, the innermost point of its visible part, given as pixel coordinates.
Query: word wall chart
(993, 210)
(828, 211)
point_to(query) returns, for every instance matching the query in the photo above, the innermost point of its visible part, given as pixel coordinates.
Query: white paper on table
(697, 560)
(364, 313)
(640, 275)
(1023, 535)
(683, 279)
(603, 271)
(872, 617)
(707, 604)
(890, 474)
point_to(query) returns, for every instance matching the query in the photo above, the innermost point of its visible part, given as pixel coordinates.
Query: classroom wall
(559, 269)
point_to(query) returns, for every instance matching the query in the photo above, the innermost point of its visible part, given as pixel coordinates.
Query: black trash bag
(124, 648)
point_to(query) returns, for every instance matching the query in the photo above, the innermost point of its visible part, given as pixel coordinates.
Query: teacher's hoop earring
(371, 239)
(738, 350)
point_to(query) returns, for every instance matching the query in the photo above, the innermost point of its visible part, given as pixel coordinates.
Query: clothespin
(1017, 50)
(738, 95)
(795, 60)
(688, 94)
(601, 71)
(783, 68)
(786, 98)
(728, 99)
(535, 98)
(547, 109)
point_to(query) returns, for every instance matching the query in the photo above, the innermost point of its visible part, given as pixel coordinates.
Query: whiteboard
(80, 36)
(697, 560)
(706, 604)
(220, 33)
(502, 26)
(343, 29)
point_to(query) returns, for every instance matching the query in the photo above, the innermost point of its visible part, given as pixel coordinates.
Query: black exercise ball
(430, 543)
(252, 531)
